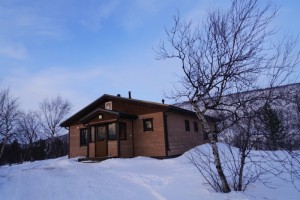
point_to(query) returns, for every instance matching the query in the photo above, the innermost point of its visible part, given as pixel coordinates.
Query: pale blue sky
(83, 49)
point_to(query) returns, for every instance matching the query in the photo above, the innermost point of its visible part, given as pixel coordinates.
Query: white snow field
(136, 178)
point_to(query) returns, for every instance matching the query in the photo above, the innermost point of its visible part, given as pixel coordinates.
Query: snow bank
(136, 178)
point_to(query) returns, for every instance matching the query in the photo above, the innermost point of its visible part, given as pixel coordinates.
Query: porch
(107, 134)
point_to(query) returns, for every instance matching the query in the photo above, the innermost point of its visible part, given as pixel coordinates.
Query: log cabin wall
(179, 139)
(74, 142)
(112, 148)
(149, 143)
(126, 146)
(132, 107)
(92, 149)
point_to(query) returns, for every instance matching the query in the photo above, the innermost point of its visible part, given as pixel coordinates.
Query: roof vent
(129, 95)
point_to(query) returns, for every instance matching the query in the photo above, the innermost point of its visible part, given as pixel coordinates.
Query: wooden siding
(126, 146)
(132, 108)
(149, 143)
(75, 149)
(92, 149)
(106, 118)
(179, 139)
(112, 149)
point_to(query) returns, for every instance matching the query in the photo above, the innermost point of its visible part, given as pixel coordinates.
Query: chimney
(129, 94)
(118, 95)
(163, 101)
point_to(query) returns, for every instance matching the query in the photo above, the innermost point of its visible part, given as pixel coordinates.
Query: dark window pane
(148, 124)
(112, 131)
(83, 137)
(187, 125)
(92, 134)
(205, 134)
(101, 133)
(122, 130)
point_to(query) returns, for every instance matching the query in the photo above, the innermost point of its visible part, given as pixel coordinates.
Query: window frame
(115, 132)
(122, 126)
(205, 134)
(145, 126)
(187, 125)
(98, 134)
(83, 140)
(92, 134)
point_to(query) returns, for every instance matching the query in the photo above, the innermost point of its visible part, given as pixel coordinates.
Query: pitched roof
(100, 110)
(92, 109)
(94, 105)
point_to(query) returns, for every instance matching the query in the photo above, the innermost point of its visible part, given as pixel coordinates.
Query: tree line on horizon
(31, 135)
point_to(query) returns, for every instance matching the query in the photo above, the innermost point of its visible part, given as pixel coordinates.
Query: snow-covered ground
(136, 178)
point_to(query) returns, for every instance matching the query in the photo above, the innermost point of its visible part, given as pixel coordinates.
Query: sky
(81, 50)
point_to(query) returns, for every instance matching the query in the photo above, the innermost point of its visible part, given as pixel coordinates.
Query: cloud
(95, 13)
(32, 87)
(32, 19)
(83, 85)
(16, 51)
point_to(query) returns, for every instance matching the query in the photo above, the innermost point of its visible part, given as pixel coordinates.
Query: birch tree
(28, 127)
(8, 115)
(52, 113)
(230, 52)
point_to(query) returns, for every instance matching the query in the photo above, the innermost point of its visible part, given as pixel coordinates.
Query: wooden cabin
(114, 126)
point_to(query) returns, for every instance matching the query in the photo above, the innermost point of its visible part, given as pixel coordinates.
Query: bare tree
(229, 53)
(53, 111)
(245, 136)
(28, 127)
(8, 116)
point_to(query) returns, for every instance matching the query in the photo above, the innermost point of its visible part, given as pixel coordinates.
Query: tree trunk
(30, 150)
(2, 147)
(217, 161)
(240, 182)
(213, 142)
(49, 149)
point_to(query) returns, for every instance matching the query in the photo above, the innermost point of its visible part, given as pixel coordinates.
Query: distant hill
(284, 102)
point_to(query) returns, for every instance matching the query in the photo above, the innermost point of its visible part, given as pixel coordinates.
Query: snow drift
(136, 178)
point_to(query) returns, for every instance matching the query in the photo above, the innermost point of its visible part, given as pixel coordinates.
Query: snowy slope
(136, 178)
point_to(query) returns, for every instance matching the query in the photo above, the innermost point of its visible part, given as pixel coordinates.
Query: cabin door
(101, 141)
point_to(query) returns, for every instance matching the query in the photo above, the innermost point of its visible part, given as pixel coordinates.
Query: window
(148, 124)
(83, 137)
(187, 125)
(92, 134)
(122, 130)
(112, 134)
(205, 134)
(108, 105)
(196, 127)
(101, 133)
